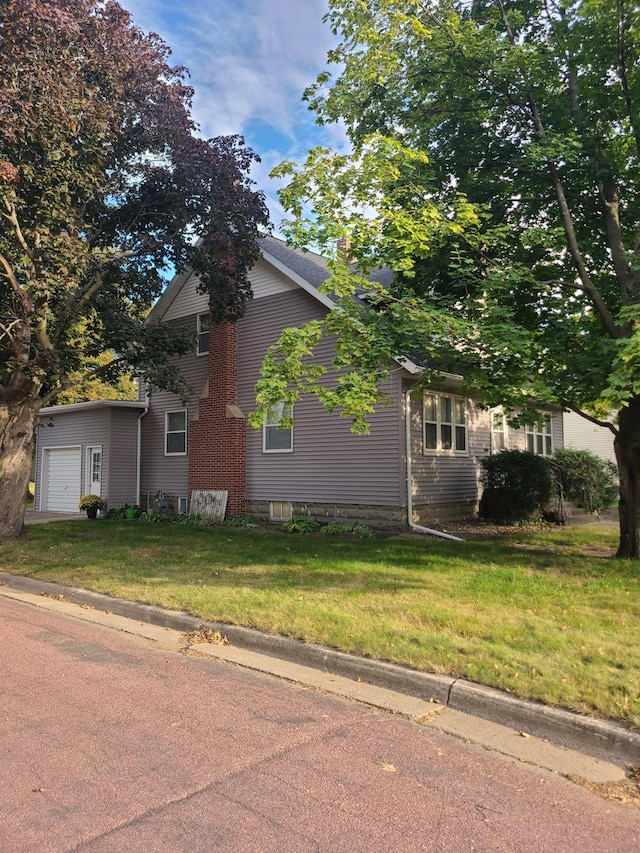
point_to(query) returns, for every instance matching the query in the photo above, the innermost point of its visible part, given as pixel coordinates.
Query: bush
(517, 486)
(586, 480)
(300, 524)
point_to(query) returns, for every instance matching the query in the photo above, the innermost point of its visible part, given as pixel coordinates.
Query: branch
(12, 216)
(606, 424)
(622, 65)
(90, 374)
(13, 281)
(567, 220)
(7, 329)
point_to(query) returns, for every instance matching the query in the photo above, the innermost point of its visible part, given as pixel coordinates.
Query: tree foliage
(105, 185)
(495, 149)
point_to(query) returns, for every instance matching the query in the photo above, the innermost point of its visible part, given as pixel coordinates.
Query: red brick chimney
(217, 438)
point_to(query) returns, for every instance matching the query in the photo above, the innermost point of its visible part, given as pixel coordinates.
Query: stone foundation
(430, 515)
(378, 517)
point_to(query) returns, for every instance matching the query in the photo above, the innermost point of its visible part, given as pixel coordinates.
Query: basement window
(280, 510)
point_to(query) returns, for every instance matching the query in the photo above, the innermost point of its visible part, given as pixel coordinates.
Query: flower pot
(92, 512)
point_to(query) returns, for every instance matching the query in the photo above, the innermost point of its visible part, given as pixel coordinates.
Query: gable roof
(306, 269)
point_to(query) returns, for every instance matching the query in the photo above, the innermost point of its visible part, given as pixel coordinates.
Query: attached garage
(89, 447)
(61, 478)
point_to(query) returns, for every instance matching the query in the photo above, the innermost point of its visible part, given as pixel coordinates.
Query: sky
(249, 63)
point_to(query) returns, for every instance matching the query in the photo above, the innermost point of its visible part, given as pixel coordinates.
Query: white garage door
(63, 468)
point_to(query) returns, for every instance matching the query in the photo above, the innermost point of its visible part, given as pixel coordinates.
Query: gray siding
(581, 434)
(439, 479)
(328, 462)
(170, 474)
(517, 438)
(112, 429)
(84, 429)
(121, 459)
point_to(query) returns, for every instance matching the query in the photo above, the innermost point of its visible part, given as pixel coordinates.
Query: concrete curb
(596, 737)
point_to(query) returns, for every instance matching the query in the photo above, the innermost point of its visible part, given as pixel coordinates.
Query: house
(158, 452)
(581, 434)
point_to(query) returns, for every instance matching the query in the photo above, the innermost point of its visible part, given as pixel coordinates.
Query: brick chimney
(217, 436)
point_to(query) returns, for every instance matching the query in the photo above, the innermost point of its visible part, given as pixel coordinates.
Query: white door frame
(92, 487)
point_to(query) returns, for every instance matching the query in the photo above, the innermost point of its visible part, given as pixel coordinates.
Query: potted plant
(91, 504)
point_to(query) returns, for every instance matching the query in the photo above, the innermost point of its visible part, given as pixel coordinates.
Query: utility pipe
(410, 521)
(139, 450)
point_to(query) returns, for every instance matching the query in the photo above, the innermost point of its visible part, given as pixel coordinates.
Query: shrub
(246, 520)
(336, 528)
(300, 524)
(517, 486)
(586, 480)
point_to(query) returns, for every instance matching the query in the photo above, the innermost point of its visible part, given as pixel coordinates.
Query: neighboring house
(318, 468)
(581, 434)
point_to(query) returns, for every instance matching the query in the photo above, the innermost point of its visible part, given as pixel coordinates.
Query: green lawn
(546, 615)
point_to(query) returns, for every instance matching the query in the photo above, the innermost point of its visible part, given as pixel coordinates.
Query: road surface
(109, 743)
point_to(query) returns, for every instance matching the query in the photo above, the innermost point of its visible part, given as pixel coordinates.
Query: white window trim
(265, 425)
(200, 332)
(546, 420)
(439, 451)
(173, 432)
(499, 412)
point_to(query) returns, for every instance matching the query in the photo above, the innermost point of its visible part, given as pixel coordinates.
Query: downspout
(412, 525)
(139, 450)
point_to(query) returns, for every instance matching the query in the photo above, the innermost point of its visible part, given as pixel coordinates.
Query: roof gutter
(412, 525)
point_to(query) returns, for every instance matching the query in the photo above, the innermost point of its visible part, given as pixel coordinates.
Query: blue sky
(249, 61)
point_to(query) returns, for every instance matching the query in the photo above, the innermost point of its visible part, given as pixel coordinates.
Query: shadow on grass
(138, 553)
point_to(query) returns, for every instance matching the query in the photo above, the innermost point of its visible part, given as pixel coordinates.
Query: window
(280, 510)
(175, 433)
(539, 438)
(276, 438)
(498, 431)
(203, 334)
(445, 424)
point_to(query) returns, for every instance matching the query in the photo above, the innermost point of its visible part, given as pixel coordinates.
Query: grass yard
(546, 615)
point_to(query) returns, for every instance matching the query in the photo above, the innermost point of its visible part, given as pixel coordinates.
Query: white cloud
(250, 61)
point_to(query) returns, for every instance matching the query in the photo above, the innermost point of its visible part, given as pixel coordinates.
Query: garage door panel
(64, 468)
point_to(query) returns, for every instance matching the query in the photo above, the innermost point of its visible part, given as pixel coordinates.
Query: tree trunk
(627, 448)
(17, 426)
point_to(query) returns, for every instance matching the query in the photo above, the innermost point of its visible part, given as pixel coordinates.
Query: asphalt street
(115, 742)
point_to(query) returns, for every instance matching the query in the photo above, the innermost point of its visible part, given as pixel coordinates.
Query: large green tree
(104, 186)
(495, 156)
